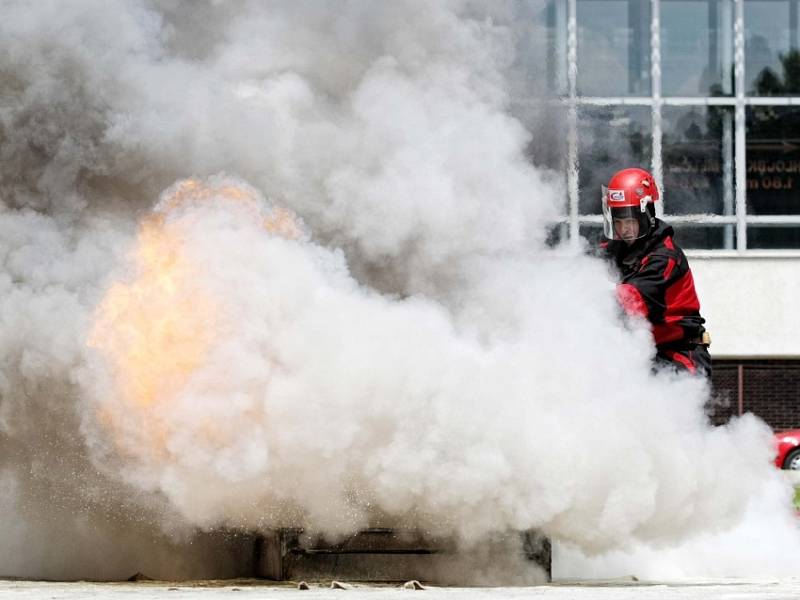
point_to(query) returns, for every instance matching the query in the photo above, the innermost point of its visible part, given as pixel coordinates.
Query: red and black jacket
(656, 283)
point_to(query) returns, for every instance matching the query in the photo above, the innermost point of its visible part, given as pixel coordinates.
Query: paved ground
(786, 589)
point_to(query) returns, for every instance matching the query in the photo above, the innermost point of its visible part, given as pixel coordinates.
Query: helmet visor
(625, 223)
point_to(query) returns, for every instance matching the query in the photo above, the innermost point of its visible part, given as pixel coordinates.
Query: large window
(704, 93)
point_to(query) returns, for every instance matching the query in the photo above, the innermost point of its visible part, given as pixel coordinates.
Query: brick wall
(725, 399)
(770, 389)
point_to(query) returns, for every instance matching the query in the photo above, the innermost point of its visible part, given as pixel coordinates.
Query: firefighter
(655, 279)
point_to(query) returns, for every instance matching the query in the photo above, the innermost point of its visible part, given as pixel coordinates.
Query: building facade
(706, 94)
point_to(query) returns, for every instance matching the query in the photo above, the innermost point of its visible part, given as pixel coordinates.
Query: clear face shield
(625, 223)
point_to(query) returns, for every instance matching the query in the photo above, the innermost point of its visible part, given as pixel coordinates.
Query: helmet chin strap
(643, 206)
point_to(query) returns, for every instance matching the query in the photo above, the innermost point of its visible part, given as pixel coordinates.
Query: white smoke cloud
(763, 544)
(322, 394)
(421, 356)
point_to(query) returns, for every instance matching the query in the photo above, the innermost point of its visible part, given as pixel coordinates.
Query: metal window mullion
(772, 101)
(727, 178)
(655, 82)
(725, 45)
(739, 125)
(698, 101)
(572, 120)
(706, 219)
(614, 101)
(775, 220)
(560, 49)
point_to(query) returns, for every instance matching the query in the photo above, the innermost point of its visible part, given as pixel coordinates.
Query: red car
(788, 456)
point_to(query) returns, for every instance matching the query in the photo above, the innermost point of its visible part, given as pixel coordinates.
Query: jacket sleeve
(631, 300)
(644, 292)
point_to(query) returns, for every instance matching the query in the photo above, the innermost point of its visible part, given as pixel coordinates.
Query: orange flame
(157, 329)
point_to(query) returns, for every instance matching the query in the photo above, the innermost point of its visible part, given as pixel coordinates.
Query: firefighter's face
(627, 229)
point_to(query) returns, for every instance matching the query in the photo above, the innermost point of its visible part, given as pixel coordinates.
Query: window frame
(735, 183)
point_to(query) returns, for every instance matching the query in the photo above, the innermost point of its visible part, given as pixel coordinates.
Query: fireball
(156, 328)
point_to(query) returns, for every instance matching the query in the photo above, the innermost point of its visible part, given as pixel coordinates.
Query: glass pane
(772, 61)
(697, 47)
(613, 47)
(610, 138)
(704, 237)
(592, 233)
(540, 38)
(548, 146)
(773, 160)
(557, 234)
(697, 151)
(773, 237)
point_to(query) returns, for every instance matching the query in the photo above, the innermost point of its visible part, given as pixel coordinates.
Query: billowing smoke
(360, 323)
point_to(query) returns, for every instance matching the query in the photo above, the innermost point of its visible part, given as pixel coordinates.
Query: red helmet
(629, 210)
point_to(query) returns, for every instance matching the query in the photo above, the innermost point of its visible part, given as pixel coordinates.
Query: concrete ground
(784, 589)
